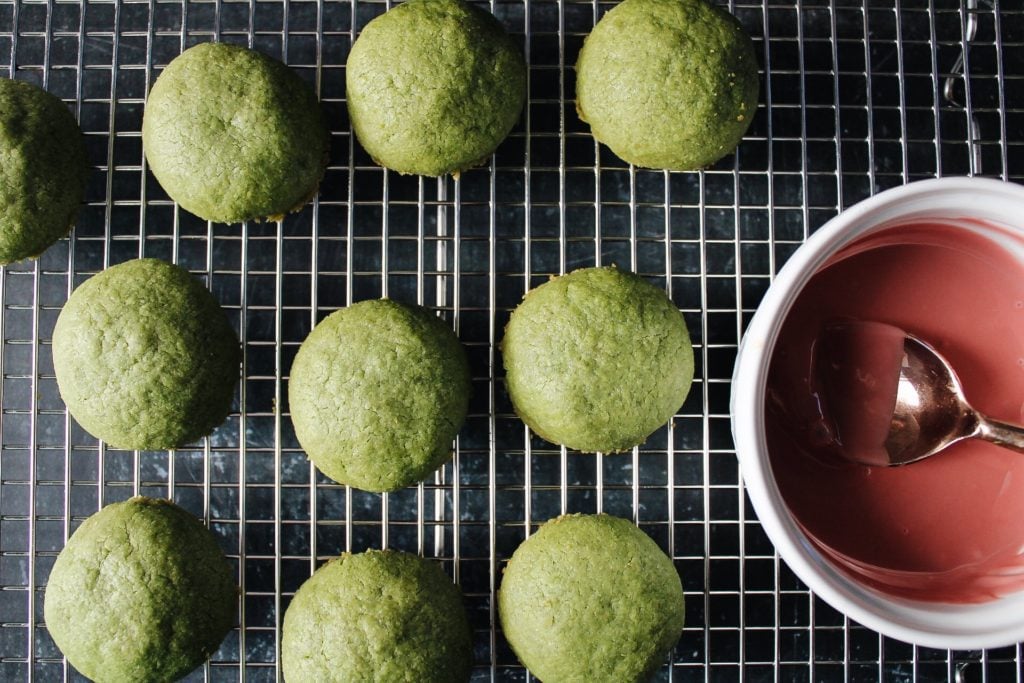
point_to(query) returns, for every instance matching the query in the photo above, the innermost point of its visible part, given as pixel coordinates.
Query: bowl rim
(931, 624)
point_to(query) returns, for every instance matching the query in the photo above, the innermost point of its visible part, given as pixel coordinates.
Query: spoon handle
(1001, 433)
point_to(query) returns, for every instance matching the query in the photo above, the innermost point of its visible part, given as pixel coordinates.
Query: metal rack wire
(857, 96)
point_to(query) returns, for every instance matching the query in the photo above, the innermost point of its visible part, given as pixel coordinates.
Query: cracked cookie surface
(43, 170)
(377, 393)
(591, 599)
(234, 135)
(668, 84)
(145, 357)
(434, 86)
(597, 360)
(377, 616)
(141, 593)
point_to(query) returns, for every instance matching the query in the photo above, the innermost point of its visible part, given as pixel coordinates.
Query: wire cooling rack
(857, 96)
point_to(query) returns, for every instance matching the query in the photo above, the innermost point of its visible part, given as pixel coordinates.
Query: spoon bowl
(894, 399)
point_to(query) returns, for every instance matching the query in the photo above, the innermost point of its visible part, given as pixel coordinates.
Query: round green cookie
(668, 84)
(597, 360)
(233, 135)
(377, 392)
(434, 86)
(145, 358)
(591, 599)
(141, 593)
(377, 616)
(43, 170)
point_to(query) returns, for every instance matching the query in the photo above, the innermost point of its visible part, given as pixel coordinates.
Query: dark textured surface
(852, 103)
(377, 393)
(668, 83)
(42, 170)
(377, 616)
(434, 86)
(145, 357)
(140, 594)
(597, 360)
(234, 135)
(591, 599)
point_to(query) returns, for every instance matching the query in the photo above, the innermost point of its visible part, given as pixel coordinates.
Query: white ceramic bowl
(995, 623)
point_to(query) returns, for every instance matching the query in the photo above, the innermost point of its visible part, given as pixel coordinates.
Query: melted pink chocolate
(857, 363)
(950, 528)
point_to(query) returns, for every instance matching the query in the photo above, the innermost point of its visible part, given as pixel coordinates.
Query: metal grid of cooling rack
(857, 96)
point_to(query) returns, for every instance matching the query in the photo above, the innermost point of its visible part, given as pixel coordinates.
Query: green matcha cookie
(597, 360)
(377, 616)
(141, 593)
(145, 358)
(668, 84)
(377, 392)
(591, 599)
(434, 86)
(233, 135)
(42, 170)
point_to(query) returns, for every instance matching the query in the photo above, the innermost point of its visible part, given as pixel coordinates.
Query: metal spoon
(930, 412)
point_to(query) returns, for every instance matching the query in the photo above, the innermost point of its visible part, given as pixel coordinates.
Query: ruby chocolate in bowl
(949, 528)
